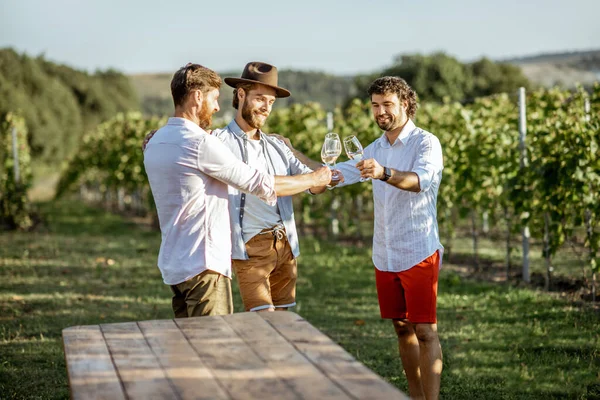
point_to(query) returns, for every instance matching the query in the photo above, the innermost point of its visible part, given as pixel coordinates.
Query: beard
(205, 116)
(251, 117)
(388, 123)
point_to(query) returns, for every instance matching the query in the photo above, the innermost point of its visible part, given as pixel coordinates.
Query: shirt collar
(402, 137)
(186, 123)
(235, 128)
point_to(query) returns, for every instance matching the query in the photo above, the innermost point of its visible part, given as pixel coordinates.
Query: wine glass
(331, 150)
(354, 149)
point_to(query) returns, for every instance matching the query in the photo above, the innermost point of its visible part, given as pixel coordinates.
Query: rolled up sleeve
(217, 161)
(429, 162)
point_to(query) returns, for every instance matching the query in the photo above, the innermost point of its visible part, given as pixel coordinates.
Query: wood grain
(91, 372)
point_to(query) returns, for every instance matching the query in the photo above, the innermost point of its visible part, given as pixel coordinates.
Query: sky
(339, 37)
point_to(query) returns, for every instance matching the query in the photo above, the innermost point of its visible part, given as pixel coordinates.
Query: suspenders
(243, 143)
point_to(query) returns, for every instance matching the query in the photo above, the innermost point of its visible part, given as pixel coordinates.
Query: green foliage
(49, 108)
(329, 90)
(482, 172)
(162, 106)
(14, 206)
(439, 77)
(556, 192)
(434, 77)
(110, 157)
(563, 176)
(59, 103)
(490, 78)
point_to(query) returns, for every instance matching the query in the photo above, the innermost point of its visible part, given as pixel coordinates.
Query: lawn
(86, 266)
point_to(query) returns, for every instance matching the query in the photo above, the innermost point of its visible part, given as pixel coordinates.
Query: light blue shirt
(283, 163)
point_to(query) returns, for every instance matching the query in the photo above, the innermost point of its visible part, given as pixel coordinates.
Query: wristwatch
(387, 174)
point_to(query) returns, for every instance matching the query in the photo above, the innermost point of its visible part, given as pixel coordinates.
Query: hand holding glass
(354, 149)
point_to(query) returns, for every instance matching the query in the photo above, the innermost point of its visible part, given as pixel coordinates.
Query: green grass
(498, 341)
(45, 179)
(568, 262)
(88, 267)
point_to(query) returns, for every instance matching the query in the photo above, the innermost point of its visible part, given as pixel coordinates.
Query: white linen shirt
(189, 171)
(406, 229)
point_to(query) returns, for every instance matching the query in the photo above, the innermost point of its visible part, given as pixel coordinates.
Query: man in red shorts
(405, 165)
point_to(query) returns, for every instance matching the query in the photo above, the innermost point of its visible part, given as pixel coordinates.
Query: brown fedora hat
(259, 72)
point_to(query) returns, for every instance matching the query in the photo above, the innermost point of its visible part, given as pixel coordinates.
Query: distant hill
(564, 57)
(564, 69)
(329, 90)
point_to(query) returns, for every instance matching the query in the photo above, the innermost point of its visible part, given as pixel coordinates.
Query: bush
(14, 206)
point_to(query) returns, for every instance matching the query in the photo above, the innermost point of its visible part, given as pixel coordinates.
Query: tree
(491, 78)
(439, 77)
(59, 103)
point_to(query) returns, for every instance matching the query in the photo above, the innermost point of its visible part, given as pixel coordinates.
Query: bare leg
(430, 359)
(409, 348)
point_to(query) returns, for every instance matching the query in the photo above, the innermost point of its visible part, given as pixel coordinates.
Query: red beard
(205, 116)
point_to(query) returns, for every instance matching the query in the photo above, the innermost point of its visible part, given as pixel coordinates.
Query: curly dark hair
(193, 77)
(393, 84)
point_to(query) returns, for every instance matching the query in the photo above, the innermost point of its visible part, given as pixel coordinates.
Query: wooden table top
(269, 355)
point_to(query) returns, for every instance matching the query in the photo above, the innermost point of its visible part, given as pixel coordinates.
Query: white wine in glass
(331, 150)
(354, 149)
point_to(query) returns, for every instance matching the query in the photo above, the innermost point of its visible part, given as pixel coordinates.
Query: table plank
(140, 372)
(189, 375)
(332, 359)
(241, 356)
(282, 357)
(89, 366)
(235, 365)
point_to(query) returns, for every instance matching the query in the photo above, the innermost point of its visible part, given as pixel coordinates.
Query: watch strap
(387, 174)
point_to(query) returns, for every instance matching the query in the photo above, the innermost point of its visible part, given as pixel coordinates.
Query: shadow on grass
(87, 267)
(71, 217)
(491, 269)
(499, 341)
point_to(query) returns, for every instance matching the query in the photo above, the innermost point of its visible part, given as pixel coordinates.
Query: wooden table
(271, 355)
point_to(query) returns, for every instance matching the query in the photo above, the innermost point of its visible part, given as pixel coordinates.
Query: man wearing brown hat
(264, 238)
(189, 172)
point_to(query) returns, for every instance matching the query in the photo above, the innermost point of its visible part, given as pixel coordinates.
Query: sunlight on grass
(88, 267)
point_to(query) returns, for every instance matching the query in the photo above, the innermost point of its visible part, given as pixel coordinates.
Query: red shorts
(410, 294)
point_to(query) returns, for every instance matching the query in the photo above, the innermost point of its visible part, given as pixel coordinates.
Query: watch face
(387, 174)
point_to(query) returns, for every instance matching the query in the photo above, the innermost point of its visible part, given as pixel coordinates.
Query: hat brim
(279, 92)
